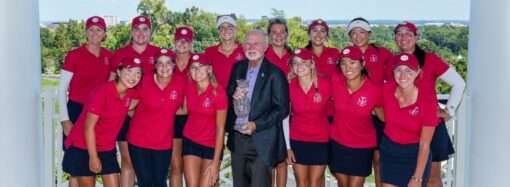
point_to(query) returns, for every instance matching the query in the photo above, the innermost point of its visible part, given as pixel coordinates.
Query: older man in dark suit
(259, 143)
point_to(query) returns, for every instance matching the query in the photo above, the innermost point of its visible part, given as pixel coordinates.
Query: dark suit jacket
(269, 106)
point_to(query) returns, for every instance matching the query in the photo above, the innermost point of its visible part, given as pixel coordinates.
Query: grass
(48, 83)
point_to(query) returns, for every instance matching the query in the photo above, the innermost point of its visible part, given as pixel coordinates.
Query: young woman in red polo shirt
(203, 136)
(325, 58)
(376, 59)
(433, 68)
(91, 143)
(227, 52)
(410, 113)
(139, 47)
(84, 69)
(183, 42)
(309, 129)
(151, 129)
(353, 135)
(279, 53)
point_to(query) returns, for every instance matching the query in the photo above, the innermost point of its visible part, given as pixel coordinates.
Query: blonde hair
(313, 71)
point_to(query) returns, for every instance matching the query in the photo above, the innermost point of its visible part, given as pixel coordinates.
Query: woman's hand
(212, 173)
(95, 164)
(291, 159)
(67, 125)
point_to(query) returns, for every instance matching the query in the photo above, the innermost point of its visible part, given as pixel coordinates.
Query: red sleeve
(97, 101)
(70, 62)
(438, 66)
(221, 99)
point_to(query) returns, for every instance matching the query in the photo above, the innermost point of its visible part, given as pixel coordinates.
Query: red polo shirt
(376, 60)
(106, 103)
(352, 124)
(201, 124)
(88, 71)
(282, 63)
(404, 124)
(148, 57)
(222, 64)
(326, 64)
(152, 125)
(308, 121)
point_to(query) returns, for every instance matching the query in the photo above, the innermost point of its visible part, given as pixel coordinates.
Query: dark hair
(420, 55)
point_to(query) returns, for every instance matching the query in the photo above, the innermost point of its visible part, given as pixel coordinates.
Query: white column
(20, 72)
(489, 90)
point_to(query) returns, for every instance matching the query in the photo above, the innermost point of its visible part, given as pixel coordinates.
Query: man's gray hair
(258, 32)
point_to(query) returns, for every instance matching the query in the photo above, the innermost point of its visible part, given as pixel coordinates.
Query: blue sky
(60, 10)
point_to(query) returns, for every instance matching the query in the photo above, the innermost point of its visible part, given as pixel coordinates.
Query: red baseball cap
(406, 59)
(354, 53)
(97, 21)
(318, 22)
(130, 62)
(184, 32)
(200, 58)
(304, 54)
(141, 20)
(165, 52)
(410, 26)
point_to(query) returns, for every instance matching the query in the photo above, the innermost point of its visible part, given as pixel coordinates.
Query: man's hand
(249, 128)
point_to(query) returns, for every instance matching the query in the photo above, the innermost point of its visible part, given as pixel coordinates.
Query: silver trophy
(242, 105)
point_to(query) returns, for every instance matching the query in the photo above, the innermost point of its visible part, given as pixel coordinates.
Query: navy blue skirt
(310, 153)
(441, 145)
(191, 148)
(179, 122)
(123, 131)
(350, 161)
(76, 162)
(73, 111)
(398, 162)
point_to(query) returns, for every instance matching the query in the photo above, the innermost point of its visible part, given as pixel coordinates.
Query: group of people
(355, 110)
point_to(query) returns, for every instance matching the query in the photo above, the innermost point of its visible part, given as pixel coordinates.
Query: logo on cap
(346, 51)
(184, 31)
(137, 61)
(141, 19)
(319, 21)
(195, 57)
(297, 51)
(164, 51)
(404, 58)
(95, 19)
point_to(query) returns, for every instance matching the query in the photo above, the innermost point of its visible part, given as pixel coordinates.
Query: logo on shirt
(362, 101)
(317, 98)
(151, 60)
(415, 111)
(207, 102)
(173, 95)
(373, 58)
(330, 61)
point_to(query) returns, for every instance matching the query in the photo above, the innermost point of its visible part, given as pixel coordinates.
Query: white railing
(452, 170)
